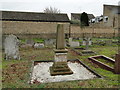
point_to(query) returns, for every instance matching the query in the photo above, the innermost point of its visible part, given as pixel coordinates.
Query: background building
(112, 11)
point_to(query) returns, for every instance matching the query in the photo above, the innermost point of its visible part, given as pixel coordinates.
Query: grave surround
(101, 64)
(41, 72)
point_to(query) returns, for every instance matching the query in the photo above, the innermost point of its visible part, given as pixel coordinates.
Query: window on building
(105, 19)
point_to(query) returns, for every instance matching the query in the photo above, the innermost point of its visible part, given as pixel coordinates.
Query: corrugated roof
(34, 16)
(78, 15)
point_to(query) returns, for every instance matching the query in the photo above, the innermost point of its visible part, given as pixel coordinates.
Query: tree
(84, 19)
(51, 10)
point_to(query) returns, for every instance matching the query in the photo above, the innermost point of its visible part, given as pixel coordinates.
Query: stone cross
(60, 41)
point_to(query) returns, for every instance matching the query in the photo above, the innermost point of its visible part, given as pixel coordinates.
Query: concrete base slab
(41, 73)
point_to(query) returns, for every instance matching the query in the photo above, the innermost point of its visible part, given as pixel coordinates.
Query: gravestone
(90, 42)
(83, 43)
(108, 42)
(70, 40)
(87, 41)
(38, 45)
(74, 44)
(49, 42)
(30, 42)
(11, 47)
(60, 66)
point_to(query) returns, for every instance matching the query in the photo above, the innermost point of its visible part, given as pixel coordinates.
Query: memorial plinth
(60, 66)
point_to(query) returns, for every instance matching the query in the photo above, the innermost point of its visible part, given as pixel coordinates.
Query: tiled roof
(34, 16)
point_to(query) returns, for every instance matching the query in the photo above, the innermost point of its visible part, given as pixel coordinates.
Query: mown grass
(16, 73)
(34, 39)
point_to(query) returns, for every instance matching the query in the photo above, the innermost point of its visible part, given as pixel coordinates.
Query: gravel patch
(41, 73)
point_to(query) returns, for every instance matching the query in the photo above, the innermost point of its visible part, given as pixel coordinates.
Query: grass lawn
(16, 73)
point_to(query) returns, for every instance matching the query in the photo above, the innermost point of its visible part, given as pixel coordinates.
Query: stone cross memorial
(60, 66)
(11, 47)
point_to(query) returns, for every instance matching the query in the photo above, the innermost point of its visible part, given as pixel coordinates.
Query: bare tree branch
(51, 10)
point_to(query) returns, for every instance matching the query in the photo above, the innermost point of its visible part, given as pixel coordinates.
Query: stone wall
(76, 31)
(24, 29)
(40, 29)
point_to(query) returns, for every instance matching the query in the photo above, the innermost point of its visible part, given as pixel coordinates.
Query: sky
(65, 6)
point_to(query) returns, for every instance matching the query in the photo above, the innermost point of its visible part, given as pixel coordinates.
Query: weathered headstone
(11, 47)
(60, 66)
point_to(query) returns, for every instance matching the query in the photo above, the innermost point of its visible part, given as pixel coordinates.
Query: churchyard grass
(16, 73)
(34, 39)
(94, 39)
(38, 40)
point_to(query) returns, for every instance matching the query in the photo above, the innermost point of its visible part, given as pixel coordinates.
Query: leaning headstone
(11, 47)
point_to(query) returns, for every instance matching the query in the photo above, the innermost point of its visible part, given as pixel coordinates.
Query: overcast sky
(66, 6)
